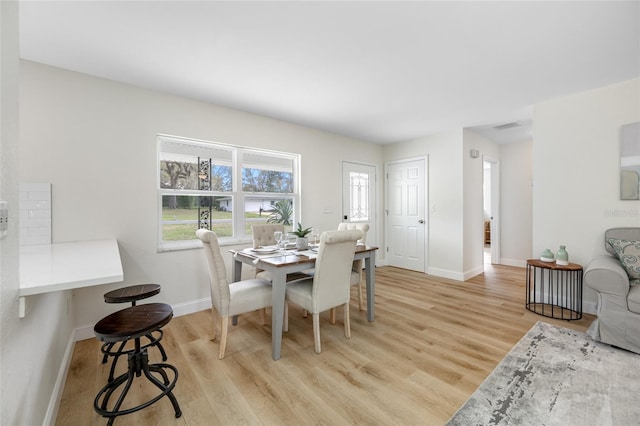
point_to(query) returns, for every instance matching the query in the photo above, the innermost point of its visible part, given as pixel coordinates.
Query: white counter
(46, 268)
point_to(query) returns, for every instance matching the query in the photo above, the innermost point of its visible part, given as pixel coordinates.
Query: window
(359, 196)
(223, 188)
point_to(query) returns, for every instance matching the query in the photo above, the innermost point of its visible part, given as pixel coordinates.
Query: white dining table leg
(370, 274)
(278, 288)
(236, 275)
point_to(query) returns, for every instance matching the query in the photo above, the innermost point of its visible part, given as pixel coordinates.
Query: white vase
(302, 243)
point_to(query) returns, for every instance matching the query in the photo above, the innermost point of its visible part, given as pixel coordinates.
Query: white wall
(445, 213)
(95, 141)
(576, 168)
(516, 203)
(32, 349)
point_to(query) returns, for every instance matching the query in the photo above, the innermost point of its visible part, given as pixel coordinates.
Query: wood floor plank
(432, 344)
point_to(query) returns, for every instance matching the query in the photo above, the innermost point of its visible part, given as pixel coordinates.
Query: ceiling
(382, 72)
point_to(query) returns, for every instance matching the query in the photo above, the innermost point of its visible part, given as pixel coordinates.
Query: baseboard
(86, 331)
(445, 273)
(190, 307)
(589, 308)
(472, 273)
(513, 262)
(54, 402)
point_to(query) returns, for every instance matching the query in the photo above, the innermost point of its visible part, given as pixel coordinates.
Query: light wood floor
(432, 344)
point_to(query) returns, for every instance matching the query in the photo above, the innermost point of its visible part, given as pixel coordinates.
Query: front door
(406, 219)
(359, 196)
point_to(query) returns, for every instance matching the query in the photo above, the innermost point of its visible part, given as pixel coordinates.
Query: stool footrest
(138, 363)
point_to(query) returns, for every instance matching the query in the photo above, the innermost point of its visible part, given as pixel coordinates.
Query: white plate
(264, 250)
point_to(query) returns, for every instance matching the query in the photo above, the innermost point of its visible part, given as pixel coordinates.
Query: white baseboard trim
(589, 308)
(513, 262)
(445, 273)
(54, 402)
(473, 272)
(86, 331)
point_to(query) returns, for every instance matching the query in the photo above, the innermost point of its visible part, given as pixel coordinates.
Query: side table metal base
(554, 291)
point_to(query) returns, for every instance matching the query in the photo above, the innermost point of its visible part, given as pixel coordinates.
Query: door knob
(421, 221)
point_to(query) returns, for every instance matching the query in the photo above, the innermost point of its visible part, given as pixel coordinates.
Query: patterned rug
(557, 376)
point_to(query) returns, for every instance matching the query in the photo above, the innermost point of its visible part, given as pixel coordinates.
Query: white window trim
(237, 194)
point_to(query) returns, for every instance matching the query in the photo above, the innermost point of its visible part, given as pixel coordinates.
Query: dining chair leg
(316, 332)
(347, 321)
(285, 320)
(223, 336)
(213, 323)
(332, 316)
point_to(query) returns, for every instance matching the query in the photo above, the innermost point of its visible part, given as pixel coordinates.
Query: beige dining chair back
(329, 287)
(263, 234)
(358, 265)
(230, 299)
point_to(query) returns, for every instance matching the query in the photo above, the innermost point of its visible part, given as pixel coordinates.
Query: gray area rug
(557, 376)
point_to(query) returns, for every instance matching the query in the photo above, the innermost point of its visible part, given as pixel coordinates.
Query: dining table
(282, 262)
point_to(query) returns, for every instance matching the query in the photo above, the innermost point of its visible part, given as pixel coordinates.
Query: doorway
(491, 211)
(359, 197)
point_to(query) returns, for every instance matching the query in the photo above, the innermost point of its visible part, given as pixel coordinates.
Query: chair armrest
(605, 274)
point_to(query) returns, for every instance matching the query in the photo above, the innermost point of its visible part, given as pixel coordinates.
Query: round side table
(554, 291)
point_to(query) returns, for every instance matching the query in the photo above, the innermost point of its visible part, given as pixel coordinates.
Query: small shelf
(46, 268)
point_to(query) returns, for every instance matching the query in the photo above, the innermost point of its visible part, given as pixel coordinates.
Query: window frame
(238, 196)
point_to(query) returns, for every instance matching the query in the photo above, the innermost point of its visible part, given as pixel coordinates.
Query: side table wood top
(553, 265)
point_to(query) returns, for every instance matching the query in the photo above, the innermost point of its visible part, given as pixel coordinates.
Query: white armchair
(617, 284)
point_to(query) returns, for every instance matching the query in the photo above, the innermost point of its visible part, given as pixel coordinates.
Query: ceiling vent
(507, 126)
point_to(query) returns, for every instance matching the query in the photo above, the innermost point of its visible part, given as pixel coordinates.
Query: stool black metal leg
(165, 388)
(156, 342)
(106, 348)
(160, 371)
(115, 360)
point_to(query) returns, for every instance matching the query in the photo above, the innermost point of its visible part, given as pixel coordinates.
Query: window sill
(195, 244)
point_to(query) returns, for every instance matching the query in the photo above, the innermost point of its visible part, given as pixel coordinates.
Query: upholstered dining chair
(358, 265)
(329, 287)
(230, 299)
(263, 236)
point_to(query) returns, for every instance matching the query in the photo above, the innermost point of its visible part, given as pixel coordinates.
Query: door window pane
(359, 196)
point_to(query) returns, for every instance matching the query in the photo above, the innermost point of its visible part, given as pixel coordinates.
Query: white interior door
(406, 218)
(359, 197)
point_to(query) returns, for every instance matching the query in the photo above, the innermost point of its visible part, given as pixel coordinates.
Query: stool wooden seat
(131, 295)
(131, 324)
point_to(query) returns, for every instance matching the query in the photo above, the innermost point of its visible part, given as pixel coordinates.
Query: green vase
(562, 257)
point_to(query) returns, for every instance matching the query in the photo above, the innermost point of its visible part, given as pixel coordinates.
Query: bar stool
(125, 295)
(131, 324)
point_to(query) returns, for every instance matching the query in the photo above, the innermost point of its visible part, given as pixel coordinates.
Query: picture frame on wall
(630, 161)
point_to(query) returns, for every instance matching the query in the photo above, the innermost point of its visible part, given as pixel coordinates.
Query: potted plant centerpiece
(302, 242)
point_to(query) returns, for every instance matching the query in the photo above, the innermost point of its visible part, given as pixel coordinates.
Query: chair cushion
(249, 295)
(629, 254)
(299, 293)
